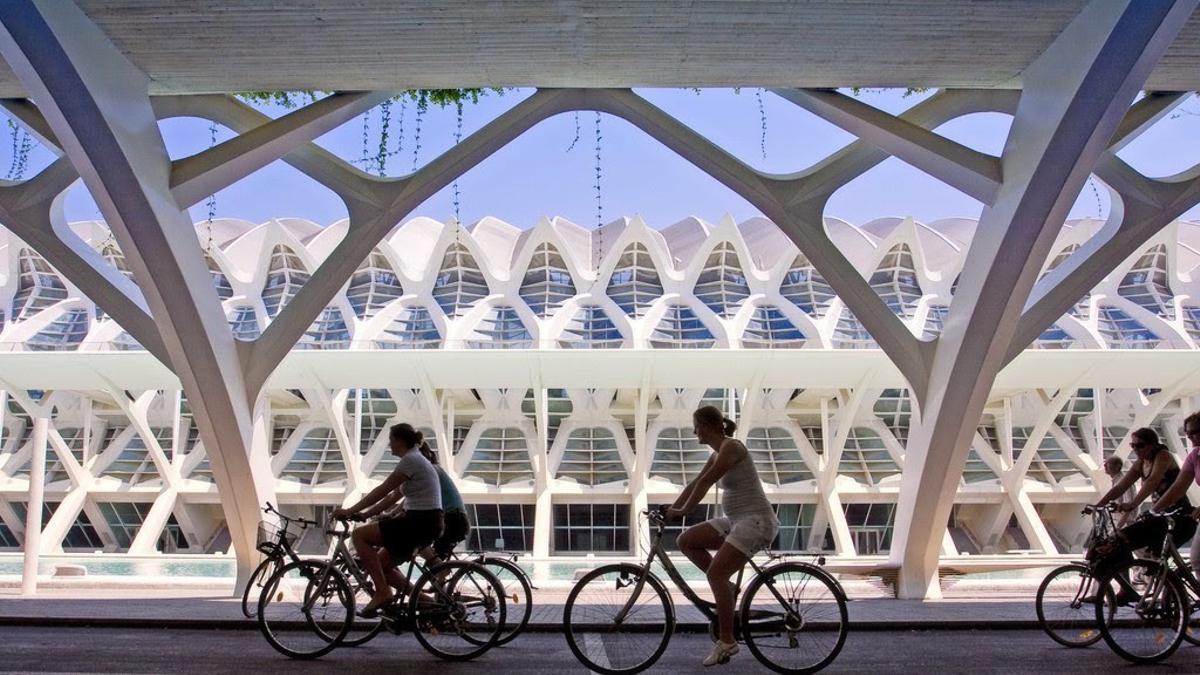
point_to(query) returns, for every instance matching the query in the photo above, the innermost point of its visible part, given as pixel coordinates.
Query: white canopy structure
(1069, 76)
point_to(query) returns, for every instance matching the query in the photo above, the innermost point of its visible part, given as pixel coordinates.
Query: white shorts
(748, 534)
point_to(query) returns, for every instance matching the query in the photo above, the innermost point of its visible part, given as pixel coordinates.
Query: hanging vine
(22, 144)
(762, 120)
(421, 110)
(211, 202)
(366, 138)
(576, 139)
(457, 196)
(1096, 193)
(385, 121)
(599, 175)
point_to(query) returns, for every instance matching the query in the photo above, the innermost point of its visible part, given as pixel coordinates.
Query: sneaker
(720, 653)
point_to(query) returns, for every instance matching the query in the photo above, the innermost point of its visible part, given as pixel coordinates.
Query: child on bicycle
(748, 525)
(398, 536)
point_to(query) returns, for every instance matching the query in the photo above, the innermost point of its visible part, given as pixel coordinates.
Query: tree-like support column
(93, 105)
(97, 104)
(1074, 98)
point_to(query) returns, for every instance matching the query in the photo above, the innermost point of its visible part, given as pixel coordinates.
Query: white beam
(33, 511)
(222, 165)
(970, 171)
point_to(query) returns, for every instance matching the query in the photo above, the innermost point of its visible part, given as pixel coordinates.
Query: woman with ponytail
(748, 525)
(400, 536)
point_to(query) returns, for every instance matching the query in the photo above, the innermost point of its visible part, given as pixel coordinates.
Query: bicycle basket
(270, 534)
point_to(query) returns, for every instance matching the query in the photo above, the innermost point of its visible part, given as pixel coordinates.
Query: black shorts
(403, 535)
(456, 529)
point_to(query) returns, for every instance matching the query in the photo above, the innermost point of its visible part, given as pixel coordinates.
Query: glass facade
(547, 283)
(590, 457)
(769, 328)
(635, 284)
(373, 286)
(38, 286)
(722, 284)
(806, 288)
(459, 283)
(680, 328)
(285, 277)
(590, 328)
(500, 328)
(591, 528)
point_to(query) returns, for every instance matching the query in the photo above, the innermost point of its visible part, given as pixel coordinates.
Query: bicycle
(619, 618)
(1064, 599)
(1150, 627)
(456, 608)
(275, 541)
(517, 587)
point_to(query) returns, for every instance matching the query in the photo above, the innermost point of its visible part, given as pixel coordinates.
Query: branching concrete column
(1075, 96)
(97, 104)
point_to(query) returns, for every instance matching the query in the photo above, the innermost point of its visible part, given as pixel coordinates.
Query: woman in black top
(1158, 470)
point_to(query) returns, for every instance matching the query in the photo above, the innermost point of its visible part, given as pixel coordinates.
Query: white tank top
(742, 492)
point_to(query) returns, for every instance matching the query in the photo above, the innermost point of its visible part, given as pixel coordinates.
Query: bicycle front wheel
(361, 630)
(1065, 606)
(614, 624)
(458, 610)
(305, 609)
(1191, 632)
(518, 596)
(254, 586)
(794, 618)
(1150, 612)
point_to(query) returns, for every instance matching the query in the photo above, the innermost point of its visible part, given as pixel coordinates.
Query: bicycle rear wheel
(518, 596)
(458, 610)
(1149, 627)
(305, 612)
(612, 625)
(1065, 606)
(794, 618)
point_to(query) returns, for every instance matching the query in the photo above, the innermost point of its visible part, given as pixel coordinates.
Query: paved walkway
(90, 602)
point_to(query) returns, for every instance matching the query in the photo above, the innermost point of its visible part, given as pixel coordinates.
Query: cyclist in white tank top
(748, 525)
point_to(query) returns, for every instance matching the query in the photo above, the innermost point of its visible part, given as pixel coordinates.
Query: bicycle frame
(341, 554)
(706, 607)
(1181, 569)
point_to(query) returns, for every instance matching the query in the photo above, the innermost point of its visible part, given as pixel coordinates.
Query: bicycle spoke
(1149, 610)
(303, 611)
(613, 629)
(1065, 606)
(795, 619)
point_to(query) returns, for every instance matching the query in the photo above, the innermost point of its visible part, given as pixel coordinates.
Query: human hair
(405, 432)
(1115, 463)
(1149, 437)
(1194, 418)
(428, 453)
(713, 417)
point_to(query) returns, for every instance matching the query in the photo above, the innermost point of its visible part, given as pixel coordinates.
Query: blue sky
(537, 176)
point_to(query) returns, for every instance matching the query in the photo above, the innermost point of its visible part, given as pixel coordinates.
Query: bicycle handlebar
(1166, 514)
(1088, 510)
(304, 522)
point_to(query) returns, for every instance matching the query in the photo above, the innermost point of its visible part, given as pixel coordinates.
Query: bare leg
(366, 539)
(395, 579)
(727, 561)
(696, 542)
